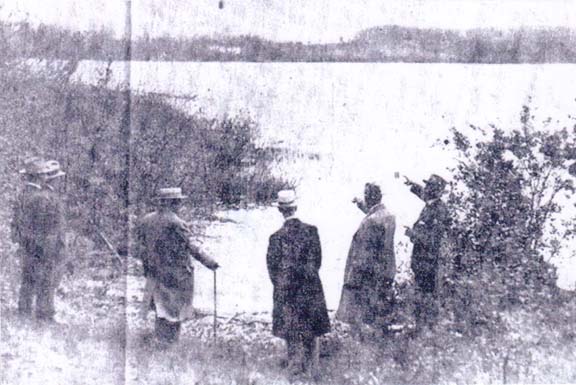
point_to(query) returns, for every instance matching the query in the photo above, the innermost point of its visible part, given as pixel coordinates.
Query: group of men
(294, 256)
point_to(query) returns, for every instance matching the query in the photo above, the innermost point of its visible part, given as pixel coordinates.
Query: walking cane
(215, 307)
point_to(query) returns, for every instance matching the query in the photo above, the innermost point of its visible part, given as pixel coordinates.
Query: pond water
(344, 124)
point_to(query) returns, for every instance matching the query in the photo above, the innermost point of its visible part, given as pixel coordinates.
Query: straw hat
(286, 198)
(50, 169)
(167, 193)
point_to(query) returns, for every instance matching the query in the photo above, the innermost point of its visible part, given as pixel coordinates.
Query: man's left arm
(315, 252)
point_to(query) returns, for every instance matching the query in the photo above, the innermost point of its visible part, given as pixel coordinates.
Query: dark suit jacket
(38, 223)
(428, 233)
(293, 259)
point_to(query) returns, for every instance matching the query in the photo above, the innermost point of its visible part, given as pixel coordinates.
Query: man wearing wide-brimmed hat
(367, 293)
(427, 235)
(38, 226)
(163, 244)
(293, 259)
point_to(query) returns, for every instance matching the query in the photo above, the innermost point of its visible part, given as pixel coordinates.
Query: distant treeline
(381, 44)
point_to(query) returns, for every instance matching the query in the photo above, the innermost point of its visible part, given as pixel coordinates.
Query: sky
(294, 20)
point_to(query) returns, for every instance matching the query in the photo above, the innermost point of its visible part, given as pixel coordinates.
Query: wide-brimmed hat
(168, 193)
(436, 182)
(50, 169)
(286, 198)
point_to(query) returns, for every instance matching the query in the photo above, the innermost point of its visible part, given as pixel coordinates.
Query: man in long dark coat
(367, 293)
(38, 226)
(427, 235)
(163, 244)
(293, 259)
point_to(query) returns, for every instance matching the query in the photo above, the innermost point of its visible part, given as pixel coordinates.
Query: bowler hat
(167, 193)
(286, 198)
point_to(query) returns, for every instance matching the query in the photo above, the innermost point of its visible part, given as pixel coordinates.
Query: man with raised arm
(427, 235)
(367, 293)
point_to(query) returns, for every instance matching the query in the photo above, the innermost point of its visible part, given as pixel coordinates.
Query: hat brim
(291, 204)
(177, 198)
(56, 175)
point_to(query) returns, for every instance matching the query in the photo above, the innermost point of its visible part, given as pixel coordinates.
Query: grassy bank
(99, 343)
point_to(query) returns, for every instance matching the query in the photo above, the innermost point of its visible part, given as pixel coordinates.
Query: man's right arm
(272, 259)
(16, 223)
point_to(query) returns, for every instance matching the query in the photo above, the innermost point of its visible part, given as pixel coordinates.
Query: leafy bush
(505, 203)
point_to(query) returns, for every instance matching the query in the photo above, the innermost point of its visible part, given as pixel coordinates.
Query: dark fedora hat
(436, 182)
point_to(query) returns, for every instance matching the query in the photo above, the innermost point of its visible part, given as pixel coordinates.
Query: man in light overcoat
(367, 294)
(293, 259)
(163, 244)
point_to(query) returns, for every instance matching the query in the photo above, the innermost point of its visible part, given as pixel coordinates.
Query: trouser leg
(426, 308)
(309, 348)
(167, 331)
(26, 286)
(292, 352)
(45, 290)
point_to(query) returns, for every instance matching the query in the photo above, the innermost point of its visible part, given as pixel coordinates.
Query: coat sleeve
(273, 259)
(417, 190)
(140, 251)
(194, 251)
(314, 252)
(389, 230)
(16, 223)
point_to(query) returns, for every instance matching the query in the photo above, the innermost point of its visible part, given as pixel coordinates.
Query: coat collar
(378, 207)
(291, 217)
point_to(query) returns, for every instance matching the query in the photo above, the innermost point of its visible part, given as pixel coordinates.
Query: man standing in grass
(38, 227)
(427, 235)
(163, 244)
(367, 294)
(294, 257)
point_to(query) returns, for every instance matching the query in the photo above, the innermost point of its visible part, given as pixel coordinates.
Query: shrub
(504, 202)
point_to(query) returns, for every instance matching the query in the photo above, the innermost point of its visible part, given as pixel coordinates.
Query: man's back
(292, 250)
(40, 220)
(163, 245)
